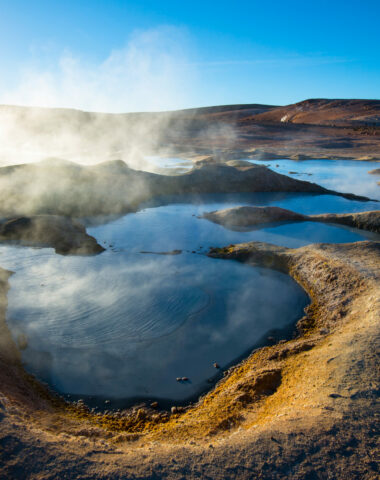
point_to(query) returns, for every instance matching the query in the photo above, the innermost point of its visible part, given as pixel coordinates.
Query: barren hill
(321, 111)
(316, 128)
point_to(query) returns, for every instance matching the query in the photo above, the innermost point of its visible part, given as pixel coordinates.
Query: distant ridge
(258, 107)
(313, 128)
(321, 111)
(315, 111)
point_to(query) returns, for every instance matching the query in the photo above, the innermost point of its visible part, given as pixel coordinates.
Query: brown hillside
(325, 112)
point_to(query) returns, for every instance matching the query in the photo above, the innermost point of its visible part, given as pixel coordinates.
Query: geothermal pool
(123, 325)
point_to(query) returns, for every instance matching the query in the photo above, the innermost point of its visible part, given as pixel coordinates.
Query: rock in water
(251, 216)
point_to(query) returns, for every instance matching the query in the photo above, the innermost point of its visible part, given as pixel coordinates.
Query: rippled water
(123, 325)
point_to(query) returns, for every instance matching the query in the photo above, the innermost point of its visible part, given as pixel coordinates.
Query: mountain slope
(325, 112)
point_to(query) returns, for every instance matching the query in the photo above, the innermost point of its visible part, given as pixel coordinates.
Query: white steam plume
(151, 73)
(154, 72)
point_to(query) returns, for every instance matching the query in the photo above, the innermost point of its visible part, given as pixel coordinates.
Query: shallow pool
(123, 326)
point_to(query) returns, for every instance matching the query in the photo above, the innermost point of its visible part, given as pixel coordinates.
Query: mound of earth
(64, 188)
(250, 216)
(66, 236)
(253, 216)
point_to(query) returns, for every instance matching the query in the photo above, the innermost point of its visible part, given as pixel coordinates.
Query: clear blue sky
(219, 52)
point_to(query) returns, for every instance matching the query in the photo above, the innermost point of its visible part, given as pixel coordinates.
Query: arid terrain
(317, 128)
(298, 408)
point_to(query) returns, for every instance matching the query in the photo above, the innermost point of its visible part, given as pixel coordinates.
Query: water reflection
(341, 175)
(126, 325)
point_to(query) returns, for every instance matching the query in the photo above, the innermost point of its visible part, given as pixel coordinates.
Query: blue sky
(187, 53)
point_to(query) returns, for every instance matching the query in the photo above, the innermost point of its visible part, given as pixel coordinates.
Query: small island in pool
(247, 216)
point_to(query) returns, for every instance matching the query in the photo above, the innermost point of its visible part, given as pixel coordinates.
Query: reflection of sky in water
(166, 165)
(341, 175)
(177, 226)
(126, 324)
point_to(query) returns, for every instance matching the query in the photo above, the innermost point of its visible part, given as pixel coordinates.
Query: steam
(154, 72)
(151, 73)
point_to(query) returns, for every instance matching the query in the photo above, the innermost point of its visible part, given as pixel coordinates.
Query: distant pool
(166, 165)
(341, 175)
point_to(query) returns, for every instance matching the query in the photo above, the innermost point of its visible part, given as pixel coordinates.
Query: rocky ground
(364, 220)
(299, 409)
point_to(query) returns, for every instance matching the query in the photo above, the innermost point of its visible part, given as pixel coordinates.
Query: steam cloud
(154, 72)
(151, 73)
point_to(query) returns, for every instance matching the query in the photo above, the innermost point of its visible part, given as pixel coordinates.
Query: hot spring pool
(123, 325)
